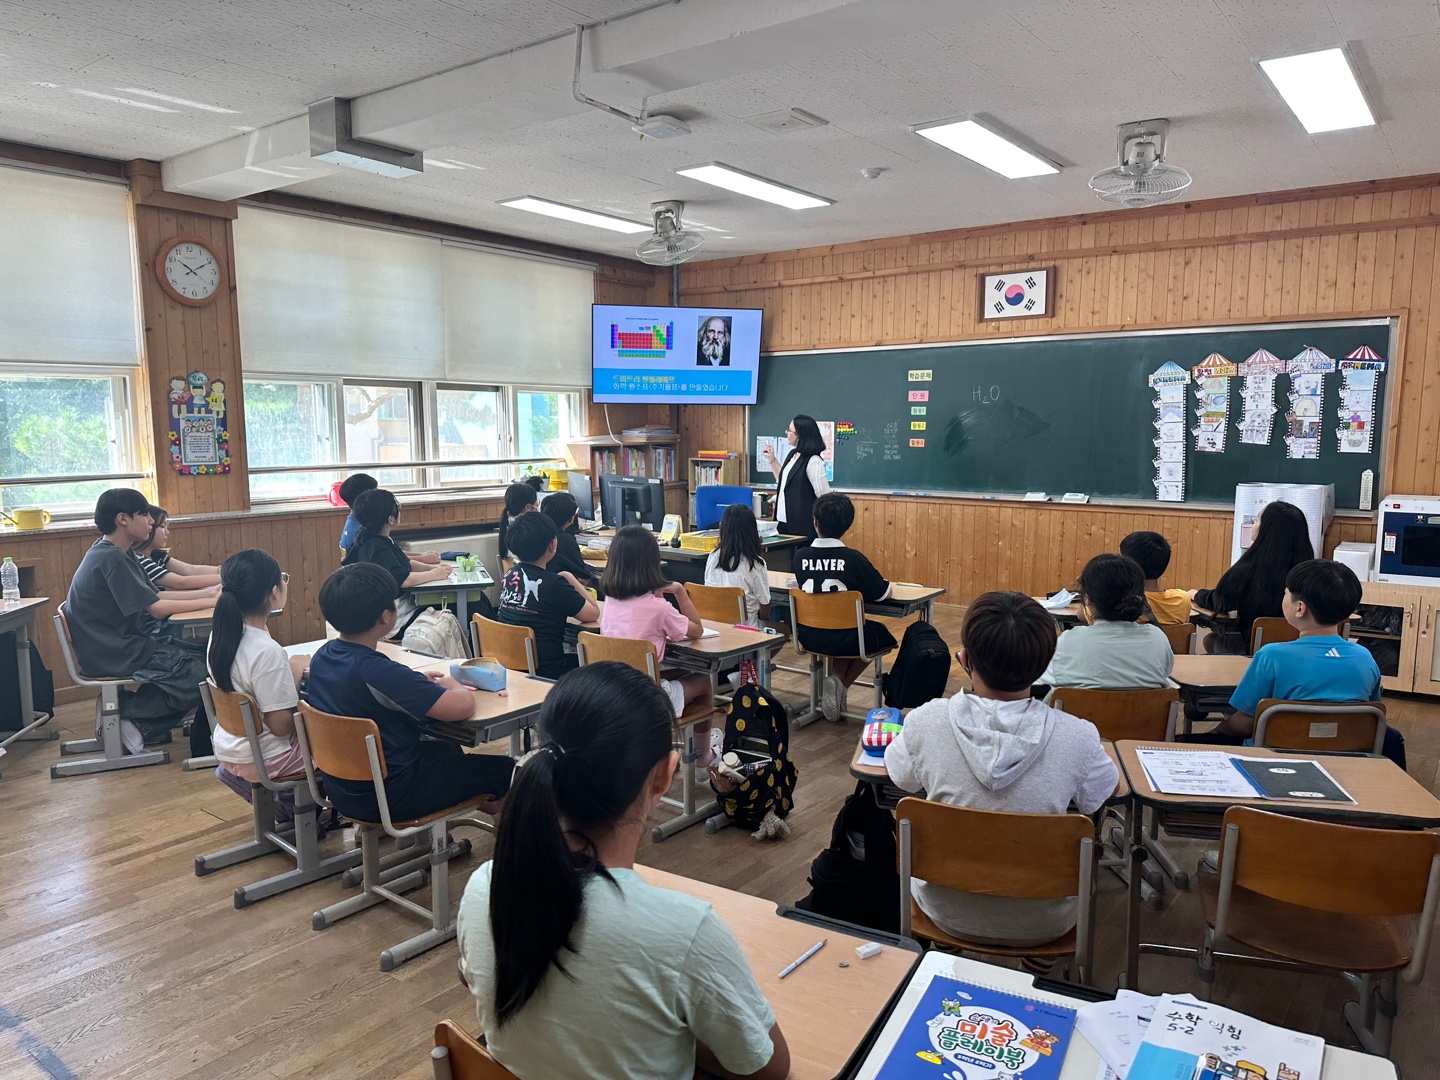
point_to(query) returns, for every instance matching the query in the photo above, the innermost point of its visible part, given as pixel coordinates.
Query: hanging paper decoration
(1359, 371)
(1212, 402)
(1307, 370)
(1168, 381)
(1257, 421)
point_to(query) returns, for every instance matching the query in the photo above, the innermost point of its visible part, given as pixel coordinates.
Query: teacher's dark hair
(1114, 587)
(739, 538)
(603, 729)
(247, 579)
(807, 436)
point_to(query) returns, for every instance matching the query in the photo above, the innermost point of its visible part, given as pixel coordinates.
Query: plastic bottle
(9, 581)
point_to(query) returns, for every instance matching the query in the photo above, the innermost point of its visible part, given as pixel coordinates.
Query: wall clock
(189, 271)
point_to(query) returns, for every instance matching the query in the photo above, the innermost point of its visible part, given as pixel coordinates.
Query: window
(468, 426)
(290, 423)
(380, 425)
(544, 421)
(64, 425)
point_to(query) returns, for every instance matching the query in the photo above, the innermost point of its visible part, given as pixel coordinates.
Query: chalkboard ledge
(1054, 503)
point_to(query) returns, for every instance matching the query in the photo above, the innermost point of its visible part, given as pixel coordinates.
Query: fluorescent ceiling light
(1320, 89)
(574, 213)
(720, 175)
(985, 146)
(173, 100)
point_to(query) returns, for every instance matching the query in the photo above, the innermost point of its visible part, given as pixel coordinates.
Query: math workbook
(1194, 1040)
(960, 1031)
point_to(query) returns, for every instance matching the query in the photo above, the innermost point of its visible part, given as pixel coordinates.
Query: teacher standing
(800, 480)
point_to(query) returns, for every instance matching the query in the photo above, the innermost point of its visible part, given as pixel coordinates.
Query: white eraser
(869, 949)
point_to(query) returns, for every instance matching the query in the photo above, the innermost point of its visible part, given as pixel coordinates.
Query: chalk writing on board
(992, 429)
(890, 448)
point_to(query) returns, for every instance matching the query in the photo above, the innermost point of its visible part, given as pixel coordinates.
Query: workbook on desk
(979, 1032)
(1195, 1040)
(1225, 776)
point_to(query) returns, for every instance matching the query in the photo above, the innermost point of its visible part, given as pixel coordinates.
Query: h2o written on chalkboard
(1066, 413)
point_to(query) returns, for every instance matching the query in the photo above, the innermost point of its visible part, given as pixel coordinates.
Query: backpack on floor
(921, 668)
(753, 717)
(42, 685)
(855, 879)
(437, 633)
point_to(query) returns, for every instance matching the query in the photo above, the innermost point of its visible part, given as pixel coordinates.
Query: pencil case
(482, 673)
(881, 727)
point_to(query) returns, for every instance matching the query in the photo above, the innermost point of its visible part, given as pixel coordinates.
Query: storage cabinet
(1397, 623)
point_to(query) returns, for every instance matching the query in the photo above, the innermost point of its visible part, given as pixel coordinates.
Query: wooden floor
(117, 963)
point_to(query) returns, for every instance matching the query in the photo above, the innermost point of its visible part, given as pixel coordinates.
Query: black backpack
(921, 668)
(42, 685)
(865, 891)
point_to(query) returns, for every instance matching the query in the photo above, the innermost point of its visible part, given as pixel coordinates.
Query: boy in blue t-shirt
(348, 677)
(350, 490)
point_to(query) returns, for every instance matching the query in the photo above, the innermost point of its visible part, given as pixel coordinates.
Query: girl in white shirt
(1114, 652)
(737, 562)
(245, 659)
(580, 967)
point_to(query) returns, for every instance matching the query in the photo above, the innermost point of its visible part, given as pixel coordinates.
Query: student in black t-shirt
(378, 511)
(560, 507)
(533, 595)
(827, 565)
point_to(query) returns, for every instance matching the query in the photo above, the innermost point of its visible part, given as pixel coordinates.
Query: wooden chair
(459, 1057)
(991, 853)
(301, 839)
(349, 748)
(1313, 725)
(832, 611)
(111, 732)
(723, 603)
(1181, 636)
(1321, 896)
(513, 646)
(1146, 716)
(1267, 630)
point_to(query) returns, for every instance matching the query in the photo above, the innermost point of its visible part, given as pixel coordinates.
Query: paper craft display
(1189, 1038)
(1168, 381)
(1359, 372)
(1307, 370)
(199, 435)
(1257, 419)
(974, 1032)
(1212, 402)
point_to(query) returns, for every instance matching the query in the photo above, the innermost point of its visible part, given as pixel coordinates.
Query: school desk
(1081, 1060)
(683, 565)
(1386, 797)
(15, 619)
(904, 599)
(827, 1012)
(459, 589)
(1201, 673)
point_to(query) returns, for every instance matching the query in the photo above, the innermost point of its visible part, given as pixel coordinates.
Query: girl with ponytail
(244, 659)
(1115, 652)
(578, 966)
(520, 498)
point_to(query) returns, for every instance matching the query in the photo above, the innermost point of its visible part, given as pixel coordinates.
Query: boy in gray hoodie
(997, 748)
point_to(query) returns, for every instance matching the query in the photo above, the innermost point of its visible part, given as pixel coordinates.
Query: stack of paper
(1221, 775)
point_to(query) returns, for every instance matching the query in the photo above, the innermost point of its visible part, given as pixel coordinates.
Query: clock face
(192, 271)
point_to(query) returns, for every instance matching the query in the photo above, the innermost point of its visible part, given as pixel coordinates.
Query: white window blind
(325, 298)
(511, 319)
(67, 278)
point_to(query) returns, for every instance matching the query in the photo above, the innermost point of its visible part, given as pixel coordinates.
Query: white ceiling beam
(270, 157)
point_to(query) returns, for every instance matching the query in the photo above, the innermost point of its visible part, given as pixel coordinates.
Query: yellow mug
(28, 518)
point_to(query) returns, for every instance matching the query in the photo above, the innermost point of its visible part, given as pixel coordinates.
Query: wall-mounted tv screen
(685, 355)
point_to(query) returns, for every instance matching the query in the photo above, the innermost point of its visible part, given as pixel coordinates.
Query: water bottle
(9, 581)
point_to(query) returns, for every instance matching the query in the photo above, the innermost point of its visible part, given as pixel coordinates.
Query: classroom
(924, 515)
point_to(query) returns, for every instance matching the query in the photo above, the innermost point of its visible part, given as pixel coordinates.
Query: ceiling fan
(1142, 178)
(670, 243)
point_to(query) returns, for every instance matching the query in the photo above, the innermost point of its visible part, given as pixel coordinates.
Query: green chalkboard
(1057, 414)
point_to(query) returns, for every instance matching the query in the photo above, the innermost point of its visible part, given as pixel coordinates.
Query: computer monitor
(631, 500)
(584, 495)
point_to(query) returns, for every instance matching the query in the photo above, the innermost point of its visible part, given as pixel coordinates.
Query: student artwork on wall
(1168, 381)
(199, 437)
(1257, 392)
(1307, 370)
(1212, 402)
(1357, 400)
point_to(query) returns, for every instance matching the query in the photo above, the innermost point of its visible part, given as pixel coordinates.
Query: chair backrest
(513, 646)
(1181, 636)
(459, 1057)
(1267, 630)
(712, 499)
(1145, 715)
(1316, 725)
(336, 744)
(1031, 856)
(830, 611)
(638, 653)
(719, 602)
(229, 709)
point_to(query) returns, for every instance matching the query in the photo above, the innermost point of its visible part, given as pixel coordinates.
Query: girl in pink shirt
(635, 607)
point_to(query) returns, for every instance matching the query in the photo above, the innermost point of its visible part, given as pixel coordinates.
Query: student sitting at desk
(164, 571)
(378, 511)
(1114, 652)
(579, 967)
(1152, 552)
(560, 507)
(532, 594)
(737, 561)
(351, 488)
(109, 609)
(348, 677)
(520, 498)
(996, 748)
(1255, 586)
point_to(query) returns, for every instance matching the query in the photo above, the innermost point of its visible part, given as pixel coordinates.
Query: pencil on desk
(804, 956)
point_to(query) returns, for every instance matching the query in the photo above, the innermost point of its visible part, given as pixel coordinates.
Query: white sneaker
(832, 698)
(131, 738)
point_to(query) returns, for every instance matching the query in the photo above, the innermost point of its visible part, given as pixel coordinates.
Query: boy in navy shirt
(348, 677)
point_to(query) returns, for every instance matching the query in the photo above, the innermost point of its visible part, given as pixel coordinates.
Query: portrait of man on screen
(713, 347)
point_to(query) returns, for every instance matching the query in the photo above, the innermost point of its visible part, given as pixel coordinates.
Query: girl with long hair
(737, 561)
(1116, 651)
(378, 511)
(519, 499)
(1255, 586)
(579, 967)
(800, 479)
(164, 570)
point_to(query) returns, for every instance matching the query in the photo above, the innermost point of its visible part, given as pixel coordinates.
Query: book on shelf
(651, 431)
(723, 455)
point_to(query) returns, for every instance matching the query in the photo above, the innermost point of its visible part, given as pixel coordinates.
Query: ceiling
(1061, 73)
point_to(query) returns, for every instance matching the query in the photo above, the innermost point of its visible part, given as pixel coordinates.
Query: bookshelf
(649, 455)
(712, 468)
